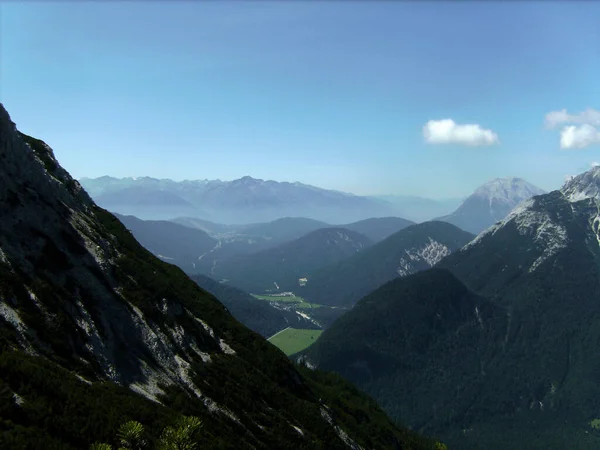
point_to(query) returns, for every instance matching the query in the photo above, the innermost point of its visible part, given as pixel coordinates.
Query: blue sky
(331, 94)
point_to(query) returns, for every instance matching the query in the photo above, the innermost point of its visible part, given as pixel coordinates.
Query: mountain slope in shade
(195, 252)
(284, 265)
(399, 339)
(491, 203)
(519, 372)
(246, 200)
(410, 250)
(170, 241)
(379, 228)
(95, 331)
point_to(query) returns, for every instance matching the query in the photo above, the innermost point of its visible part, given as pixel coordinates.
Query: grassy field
(297, 301)
(292, 340)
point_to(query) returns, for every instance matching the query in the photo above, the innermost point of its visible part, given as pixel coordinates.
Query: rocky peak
(585, 185)
(507, 190)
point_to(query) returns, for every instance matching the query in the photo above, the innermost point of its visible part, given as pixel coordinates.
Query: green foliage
(182, 436)
(131, 435)
(100, 446)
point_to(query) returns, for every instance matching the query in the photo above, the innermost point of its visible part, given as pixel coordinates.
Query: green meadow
(292, 340)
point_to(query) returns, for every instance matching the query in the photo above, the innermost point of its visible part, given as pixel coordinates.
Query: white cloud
(580, 136)
(588, 117)
(446, 131)
(595, 164)
(583, 129)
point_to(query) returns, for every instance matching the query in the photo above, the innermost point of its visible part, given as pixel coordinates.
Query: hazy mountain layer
(241, 201)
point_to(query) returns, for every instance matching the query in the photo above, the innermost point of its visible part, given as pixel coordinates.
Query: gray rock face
(73, 264)
(491, 203)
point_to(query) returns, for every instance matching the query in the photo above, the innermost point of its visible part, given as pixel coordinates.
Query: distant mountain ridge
(240, 201)
(491, 203)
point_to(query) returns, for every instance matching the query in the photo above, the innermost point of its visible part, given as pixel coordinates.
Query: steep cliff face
(85, 309)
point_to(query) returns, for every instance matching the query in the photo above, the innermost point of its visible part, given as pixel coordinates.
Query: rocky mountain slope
(95, 331)
(410, 250)
(517, 368)
(245, 200)
(491, 203)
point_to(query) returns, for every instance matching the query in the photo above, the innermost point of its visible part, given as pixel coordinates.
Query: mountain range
(491, 203)
(96, 331)
(242, 201)
(247, 201)
(200, 246)
(494, 347)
